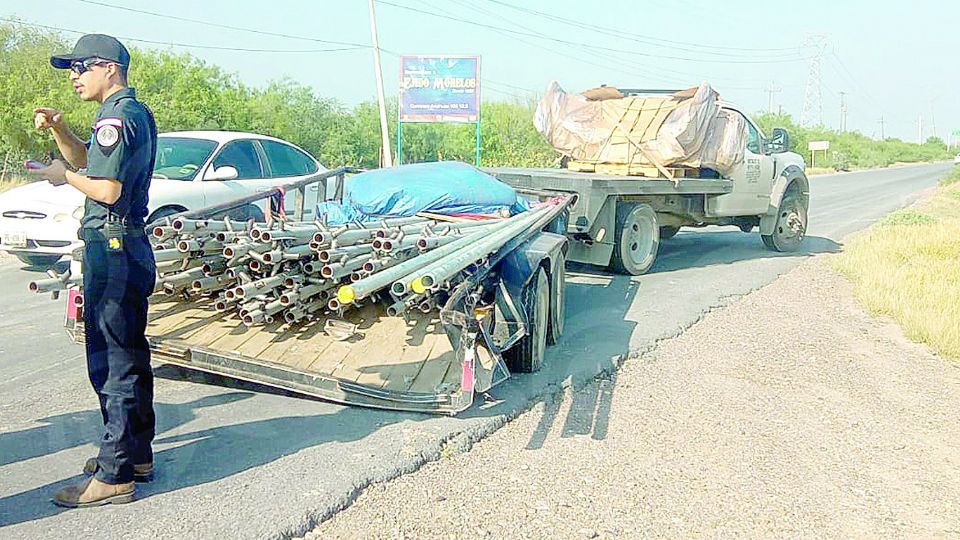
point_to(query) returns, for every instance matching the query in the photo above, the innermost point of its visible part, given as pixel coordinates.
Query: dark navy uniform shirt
(123, 146)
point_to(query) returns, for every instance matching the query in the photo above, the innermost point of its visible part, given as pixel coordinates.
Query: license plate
(16, 239)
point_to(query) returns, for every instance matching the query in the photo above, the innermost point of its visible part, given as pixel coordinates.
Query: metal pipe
(367, 286)
(235, 250)
(52, 284)
(304, 234)
(442, 269)
(260, 286)
(342, 269)
(497, 235)
(334, 254)
(210, 283)
(296, 252)
(301, 294)
(161, 231)
(168, 255)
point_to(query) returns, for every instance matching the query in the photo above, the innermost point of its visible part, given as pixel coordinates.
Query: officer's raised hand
(55, 173)
(47, 118)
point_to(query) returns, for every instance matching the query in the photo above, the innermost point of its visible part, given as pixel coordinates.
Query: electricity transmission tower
(813, 97)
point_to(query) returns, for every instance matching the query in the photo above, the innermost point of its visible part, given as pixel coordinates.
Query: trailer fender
(792, 177)
(521, 265)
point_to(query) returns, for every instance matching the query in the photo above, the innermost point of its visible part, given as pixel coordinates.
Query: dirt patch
(792, 412)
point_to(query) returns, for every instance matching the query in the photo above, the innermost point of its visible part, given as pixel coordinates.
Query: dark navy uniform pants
(116, 286)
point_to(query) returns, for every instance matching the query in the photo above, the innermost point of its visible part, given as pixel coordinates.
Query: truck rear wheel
(557, 311)
(527, 355)
(791, 225)
(637, 239)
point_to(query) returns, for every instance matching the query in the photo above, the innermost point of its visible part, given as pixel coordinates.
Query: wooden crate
(634, 169)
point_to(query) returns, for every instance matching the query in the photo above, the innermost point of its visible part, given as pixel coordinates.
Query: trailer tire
(558, 297)
(791, 225)
(527, 355)
(637, 239)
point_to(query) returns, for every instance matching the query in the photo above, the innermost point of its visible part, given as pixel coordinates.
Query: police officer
(113, 169)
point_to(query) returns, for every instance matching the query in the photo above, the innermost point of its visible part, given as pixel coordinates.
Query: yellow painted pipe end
(346, 294)
(417, 286)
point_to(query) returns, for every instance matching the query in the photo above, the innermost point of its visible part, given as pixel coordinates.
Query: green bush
(853, 147)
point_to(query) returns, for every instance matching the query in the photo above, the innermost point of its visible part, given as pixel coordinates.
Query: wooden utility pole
(385, 158)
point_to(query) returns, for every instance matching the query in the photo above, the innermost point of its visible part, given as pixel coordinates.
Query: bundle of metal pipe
(286, 272)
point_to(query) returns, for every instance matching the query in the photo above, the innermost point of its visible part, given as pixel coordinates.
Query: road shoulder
(790, 412)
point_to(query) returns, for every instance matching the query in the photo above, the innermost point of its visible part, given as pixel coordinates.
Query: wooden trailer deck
(389, 355)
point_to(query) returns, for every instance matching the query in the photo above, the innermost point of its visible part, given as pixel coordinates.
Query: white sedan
(194, 169)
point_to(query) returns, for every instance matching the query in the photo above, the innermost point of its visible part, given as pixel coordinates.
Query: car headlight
(78, 213)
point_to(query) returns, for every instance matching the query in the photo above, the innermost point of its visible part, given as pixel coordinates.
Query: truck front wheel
(791, 225)
(527, 355)
(637, 239)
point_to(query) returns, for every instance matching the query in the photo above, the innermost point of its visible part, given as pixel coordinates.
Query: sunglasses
(82, 66)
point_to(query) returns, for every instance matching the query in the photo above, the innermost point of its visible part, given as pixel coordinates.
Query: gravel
(789, 413)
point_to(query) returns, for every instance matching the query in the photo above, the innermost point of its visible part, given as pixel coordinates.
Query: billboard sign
(818, 145)
(440, 88)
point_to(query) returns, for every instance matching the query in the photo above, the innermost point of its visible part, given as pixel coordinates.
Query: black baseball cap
(93, 45)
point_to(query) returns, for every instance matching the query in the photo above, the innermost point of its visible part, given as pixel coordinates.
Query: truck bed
(393, 362)
(606, 184)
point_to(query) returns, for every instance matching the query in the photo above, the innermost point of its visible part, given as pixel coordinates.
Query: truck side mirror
(779, 142)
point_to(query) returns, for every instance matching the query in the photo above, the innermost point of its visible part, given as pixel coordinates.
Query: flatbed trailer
(499, 319)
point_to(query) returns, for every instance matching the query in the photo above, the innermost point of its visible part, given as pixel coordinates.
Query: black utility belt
(112, 233)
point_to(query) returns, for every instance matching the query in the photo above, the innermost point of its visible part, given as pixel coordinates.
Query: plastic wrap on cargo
(573, 124)
(445, 187)
(725, 143)
(682, 134)
(685, 128)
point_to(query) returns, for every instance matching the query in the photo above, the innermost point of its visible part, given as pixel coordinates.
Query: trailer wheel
(791, 225)
(637, 239)
(527, 355)
(557, 309)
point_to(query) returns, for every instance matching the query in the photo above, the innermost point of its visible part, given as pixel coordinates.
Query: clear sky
(893, 59)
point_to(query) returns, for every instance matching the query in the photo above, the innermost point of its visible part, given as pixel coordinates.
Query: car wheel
(44, 261)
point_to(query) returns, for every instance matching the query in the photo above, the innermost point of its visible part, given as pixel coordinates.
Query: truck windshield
(180, 158)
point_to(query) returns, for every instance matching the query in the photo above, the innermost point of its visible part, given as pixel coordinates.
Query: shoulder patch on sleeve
(109, 121)
(107, 135)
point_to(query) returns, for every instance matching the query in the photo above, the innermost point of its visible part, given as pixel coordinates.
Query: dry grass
(908, 267)
(12, 181)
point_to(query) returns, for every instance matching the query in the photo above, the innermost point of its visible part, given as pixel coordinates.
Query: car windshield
(180, 158)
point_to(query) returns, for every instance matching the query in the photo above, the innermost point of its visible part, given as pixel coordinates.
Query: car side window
(286, 160)
(243, 156)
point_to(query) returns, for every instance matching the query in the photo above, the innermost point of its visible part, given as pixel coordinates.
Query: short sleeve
(112, 139)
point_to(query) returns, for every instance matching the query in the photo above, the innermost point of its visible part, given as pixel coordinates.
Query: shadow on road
(598, 333)
(200, 457)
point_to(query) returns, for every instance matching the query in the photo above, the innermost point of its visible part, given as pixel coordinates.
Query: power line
(188, 45)
(645, 70)
(219, 25)
(581, 44)
(650, 40)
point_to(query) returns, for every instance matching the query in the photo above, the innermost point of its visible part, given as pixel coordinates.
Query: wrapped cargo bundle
(602, 126)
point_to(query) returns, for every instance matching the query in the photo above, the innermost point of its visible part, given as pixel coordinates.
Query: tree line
(186, 93)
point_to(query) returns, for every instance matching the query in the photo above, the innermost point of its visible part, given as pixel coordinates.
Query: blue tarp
(445, 187)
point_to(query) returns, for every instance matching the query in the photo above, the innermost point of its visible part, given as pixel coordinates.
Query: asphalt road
(235, 460)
